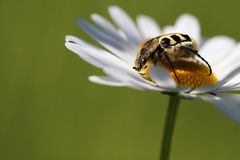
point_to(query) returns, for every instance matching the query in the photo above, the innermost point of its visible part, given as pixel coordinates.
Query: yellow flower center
(187, 73)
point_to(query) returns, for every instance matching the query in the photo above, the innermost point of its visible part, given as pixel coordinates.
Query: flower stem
(172, 109)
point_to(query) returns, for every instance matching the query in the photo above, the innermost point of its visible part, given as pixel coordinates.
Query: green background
(50, 111)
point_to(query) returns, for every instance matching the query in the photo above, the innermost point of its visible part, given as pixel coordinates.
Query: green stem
(172, 109)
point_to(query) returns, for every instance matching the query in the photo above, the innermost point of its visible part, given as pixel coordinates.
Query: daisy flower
(121, 41)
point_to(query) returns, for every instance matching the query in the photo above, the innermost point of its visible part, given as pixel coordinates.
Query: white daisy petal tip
(125, 23)
(95, 16)
(148, 27)
(105, 80)
(72, 39)
(189, 24)
(69, 46)
(188, 16)
(103, 23)
(114, 7)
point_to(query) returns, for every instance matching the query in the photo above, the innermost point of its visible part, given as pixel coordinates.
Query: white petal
(186, 24)
(111, 31)
(105, 80)
(126, 24)
(161, 76)
(187, 95)
(229, 87)
(228, 63)
(92, 54)
(110, 64)
(169, 29)
(230, 57)
(228, 103)
(215, 50)
(231, 75)
(233, 82)
(104, 24)
(205, 89)
(148, 27)
(111, 81)
(234, 87)
(104, 60)
(132, 79)
(74, 48)
(76, 40)
(119, 48)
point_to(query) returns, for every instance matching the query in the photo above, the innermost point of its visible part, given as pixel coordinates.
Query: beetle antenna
(196, 53)
(210, 69)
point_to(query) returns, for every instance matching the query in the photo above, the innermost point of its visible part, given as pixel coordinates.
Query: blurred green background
(50, 111)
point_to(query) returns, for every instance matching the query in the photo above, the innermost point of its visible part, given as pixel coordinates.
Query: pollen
(186, 73)
(191, 74)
